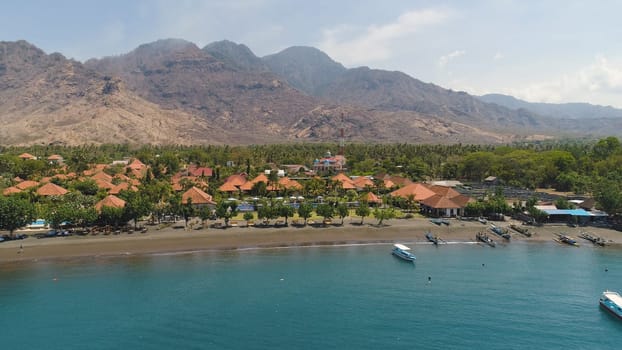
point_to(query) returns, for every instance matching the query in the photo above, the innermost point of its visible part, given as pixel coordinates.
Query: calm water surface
(518, 296)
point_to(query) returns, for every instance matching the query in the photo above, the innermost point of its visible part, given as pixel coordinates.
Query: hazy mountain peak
(237, 56)
(20, 49)
(170, 44)
(305, 68)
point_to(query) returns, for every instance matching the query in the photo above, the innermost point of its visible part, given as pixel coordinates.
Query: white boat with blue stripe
(612, 302)
(403, 252)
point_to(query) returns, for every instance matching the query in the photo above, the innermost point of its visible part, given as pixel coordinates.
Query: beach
(173, 239)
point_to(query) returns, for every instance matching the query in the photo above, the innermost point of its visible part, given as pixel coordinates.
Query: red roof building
(27, 184)
(197, 197)
(200, 171)
(110, 201)
(27, 156)
(51, 189)
(369, 197)
(418, 191)
(11, 190)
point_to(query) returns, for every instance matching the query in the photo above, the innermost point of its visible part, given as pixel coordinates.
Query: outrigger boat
(612, 302)
(439, 221)
(432, 238)
(403, 252)
(483, 237)
(521, 230)
(592, 238)
(499, 231)
(562, 238)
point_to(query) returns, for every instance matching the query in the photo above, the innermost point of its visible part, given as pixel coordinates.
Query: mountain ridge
(571, 110)
(171, 91)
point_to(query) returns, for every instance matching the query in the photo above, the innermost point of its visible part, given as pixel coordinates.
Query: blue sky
(541, 51)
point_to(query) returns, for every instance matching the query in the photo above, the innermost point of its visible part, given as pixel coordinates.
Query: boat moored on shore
(593, 238)
(403, 252)
(432, 238)
(500, 231)
(522, 230)
(483, 237)
(612, 302)
(562, 238)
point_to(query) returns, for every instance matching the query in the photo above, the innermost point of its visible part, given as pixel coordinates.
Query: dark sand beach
(169, 239)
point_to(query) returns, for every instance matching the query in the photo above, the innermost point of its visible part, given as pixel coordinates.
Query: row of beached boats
(404, 253)
(565, 239)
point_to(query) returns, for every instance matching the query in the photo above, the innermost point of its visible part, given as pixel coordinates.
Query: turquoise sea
(456, 296)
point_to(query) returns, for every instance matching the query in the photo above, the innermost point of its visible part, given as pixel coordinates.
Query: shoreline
(181, 241)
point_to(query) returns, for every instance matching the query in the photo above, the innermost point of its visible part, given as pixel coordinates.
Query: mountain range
(556, 110)
(173, 92)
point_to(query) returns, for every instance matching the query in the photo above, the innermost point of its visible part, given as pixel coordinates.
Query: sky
(540, 51)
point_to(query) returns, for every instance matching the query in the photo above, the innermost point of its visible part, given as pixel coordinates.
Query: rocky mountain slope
(50, 99)
(172, 92)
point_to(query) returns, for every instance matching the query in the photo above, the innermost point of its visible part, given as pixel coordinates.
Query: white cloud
(498, 56)
(599, 82)
(353, 46)
(443, 60)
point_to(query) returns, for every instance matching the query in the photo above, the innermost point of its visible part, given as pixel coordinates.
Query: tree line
(579, 166)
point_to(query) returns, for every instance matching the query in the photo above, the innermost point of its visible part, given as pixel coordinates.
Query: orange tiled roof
(110, 201)
(123, 186)
(27, 156)
(260, 178)
(45, 180)
(236, 179)
(348, 185)
(102, 176)
(136, 164)
(341, 177)
(103, 184)
(247, 186)
(27, 184)
(418, 190)
(289, 183)
(200, 171)
(362, 182)
(440, 202)
(197, 196)
(228, 187)
(138, 173)
(122, 177)
(371, 198)
(51, 189)
(10, 190)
